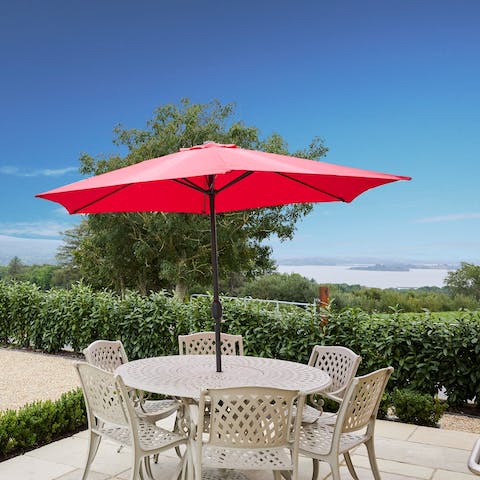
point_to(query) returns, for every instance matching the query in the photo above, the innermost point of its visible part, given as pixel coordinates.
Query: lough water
(414, 278)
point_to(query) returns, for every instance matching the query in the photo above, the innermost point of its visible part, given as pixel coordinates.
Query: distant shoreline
(373, 275)
(368, 264)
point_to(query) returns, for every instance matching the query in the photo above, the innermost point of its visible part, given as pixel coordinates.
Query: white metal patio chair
(203, 343)
(355, 424)
(341, 364)
(251, 428)
(111, 414)
(108, 355)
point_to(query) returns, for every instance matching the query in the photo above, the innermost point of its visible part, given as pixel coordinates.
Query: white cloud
(45, 172)
(449, 218)
(41, 229)
(30, 250)
(62, 211)
(6, 170)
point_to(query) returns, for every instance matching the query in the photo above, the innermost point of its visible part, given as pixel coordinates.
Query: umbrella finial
(209, 144)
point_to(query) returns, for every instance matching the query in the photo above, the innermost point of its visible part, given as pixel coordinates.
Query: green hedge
(41, 422)
(426, 350)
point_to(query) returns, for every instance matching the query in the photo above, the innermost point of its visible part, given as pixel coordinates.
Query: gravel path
(26, 377)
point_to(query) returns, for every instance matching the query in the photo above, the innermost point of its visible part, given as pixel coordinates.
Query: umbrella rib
(311, 186)
(103, 197)
(235, 180)
(188, 183)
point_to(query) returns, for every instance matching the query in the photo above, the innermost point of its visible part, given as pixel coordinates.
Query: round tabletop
(188, 375)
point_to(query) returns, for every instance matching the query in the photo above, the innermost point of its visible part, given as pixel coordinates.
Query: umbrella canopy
(214, 178)
(181, 182)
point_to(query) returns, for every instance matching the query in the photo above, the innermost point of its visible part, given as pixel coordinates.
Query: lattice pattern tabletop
(187, 375)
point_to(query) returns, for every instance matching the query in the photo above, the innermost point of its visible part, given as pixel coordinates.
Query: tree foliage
(151, 251)
(290, 287)
(465, 280)
(45, 276)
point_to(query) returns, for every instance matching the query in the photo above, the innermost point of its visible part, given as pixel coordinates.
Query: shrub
(417, 408)
(41, 422)
(385, 405)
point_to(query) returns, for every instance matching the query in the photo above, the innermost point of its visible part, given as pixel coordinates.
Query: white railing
(277, 303)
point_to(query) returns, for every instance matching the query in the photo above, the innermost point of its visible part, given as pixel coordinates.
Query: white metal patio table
(185, 376)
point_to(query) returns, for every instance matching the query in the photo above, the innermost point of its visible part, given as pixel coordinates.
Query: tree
(15, 268)
(465, 280)
(290, 287)
(150, 251)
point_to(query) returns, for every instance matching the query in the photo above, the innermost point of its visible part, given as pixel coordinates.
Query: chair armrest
(473, 464)
(317, 401)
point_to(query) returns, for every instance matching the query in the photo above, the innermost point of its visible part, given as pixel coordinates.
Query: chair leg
(136, 472)
(177, 429)
(335, 468)
(315, 469)
(348, 461)
(148, 468)
(372, 458)
(93, 444)
(180, 469)
(277, 475)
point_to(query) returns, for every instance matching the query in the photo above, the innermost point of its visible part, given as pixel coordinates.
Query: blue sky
(392, 86)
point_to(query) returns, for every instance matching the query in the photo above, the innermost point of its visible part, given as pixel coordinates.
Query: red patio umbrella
(214, 178)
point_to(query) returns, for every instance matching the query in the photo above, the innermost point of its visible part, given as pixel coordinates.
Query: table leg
(189, 426)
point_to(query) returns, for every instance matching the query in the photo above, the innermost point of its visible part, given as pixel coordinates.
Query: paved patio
(404, 452)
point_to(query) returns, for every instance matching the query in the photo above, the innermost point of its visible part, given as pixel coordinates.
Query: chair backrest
(249, 417)
(362, 399)
(340, 363)
(103, 396)
(203, 343)
(106, 354)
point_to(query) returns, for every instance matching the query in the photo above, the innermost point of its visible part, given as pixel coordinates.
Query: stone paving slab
(432, 456)
(446, 475)
(77, 475)
(395, 430)
(444, 438)
(25, 467)
(398, 468)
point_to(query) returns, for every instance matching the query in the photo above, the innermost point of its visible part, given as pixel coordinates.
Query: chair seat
(247, 459)
(316, 439)
(150, 436)
(154, 410)
(327, 418)
(310, 414)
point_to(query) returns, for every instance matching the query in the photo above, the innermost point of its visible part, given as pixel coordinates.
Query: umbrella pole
(216, 305)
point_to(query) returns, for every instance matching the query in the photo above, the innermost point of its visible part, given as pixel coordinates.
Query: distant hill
(383, 268)
(369, 263)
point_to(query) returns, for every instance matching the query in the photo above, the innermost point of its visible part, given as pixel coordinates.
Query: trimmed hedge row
(41, 422)
(427, 350)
